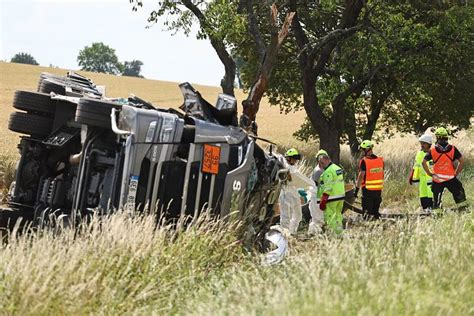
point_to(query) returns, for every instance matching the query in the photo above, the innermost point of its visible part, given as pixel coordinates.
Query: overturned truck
(83, 153)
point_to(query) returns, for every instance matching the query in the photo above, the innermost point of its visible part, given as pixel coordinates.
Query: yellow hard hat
(321, 152)
(292, 152)
(441, 132)
(366, 144)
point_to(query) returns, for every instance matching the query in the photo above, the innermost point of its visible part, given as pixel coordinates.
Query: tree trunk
(252, 104)
(227, 83)
(376, 104)
(329, 141)
(351, 131)
(329, 134)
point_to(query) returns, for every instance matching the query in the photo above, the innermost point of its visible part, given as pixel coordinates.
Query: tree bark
(252, 104)
(351, 132)
(377, 104)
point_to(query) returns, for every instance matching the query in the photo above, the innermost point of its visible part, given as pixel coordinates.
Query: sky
(54, 31)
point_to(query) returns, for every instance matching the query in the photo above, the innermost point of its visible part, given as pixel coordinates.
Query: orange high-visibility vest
(374, 173)
(443, 169)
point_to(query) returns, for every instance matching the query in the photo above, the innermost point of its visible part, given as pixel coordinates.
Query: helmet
(292, 152)
(366, 144)
(441, 132)
(426, 138)
(321, 152)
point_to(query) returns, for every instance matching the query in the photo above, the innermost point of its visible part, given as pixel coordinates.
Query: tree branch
(355, 89)
(348, 22)
(253, 28)
(227, 83)
(333, 36)
(252, 103)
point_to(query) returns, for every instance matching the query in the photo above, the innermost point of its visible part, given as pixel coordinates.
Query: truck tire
(34, 102)
(31, 124)
(48, 86)
(95, 112)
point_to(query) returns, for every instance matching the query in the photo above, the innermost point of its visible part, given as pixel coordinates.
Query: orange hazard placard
(210, 159)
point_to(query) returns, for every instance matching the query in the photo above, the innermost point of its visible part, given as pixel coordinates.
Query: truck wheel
(95, 112)
(34, 102)
(26, 123)
(48, 86)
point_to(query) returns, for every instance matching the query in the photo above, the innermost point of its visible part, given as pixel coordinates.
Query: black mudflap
(171, 189)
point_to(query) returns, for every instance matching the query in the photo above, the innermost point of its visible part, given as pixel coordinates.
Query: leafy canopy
(132, 68)
(99, 58)
(24, 58)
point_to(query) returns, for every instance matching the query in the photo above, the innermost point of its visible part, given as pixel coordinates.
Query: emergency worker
(447, 165)
(370, 179)
(419, 175)
(290, 198)
(317, 216)
(331, 193)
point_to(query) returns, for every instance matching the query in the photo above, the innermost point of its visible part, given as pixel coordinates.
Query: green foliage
(24, 58)
(437, 90)
(132, 68)
(99, 58)
(425, 75)
(221, 20)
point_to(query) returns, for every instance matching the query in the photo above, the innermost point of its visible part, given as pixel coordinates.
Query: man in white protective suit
(317, 216)
(290, 198)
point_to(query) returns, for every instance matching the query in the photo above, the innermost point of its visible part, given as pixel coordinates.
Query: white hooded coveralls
(290, 199)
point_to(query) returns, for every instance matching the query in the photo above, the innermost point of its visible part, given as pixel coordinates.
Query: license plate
(132, 193)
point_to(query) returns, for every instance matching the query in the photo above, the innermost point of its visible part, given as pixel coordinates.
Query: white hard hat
(426, 138)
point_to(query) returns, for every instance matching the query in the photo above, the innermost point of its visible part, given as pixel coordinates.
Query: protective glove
(410, 179)
(356, 191)
(324, 200)
(303, 194)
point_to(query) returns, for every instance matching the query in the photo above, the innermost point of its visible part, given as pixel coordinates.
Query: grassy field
(122, 265)
(13, 77)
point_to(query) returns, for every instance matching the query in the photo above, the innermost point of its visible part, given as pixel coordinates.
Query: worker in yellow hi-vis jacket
(331, 193)
(419, 175)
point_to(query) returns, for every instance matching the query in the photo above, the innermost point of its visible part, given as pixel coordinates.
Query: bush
(24, 58)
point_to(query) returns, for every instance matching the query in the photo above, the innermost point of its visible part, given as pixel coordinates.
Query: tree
(350, 66)
(268, 57)
(319, 28)
(99, 58)
(24, 58)
(132, 68)
(224, 24)
(439, 90)
(419, 57)
(356, 67)
(218, 21)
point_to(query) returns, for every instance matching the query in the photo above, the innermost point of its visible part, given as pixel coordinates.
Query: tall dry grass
(118, 264)
(123, 265)
(419, 267)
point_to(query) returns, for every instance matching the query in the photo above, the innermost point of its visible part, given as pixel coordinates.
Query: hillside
(272, 124)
